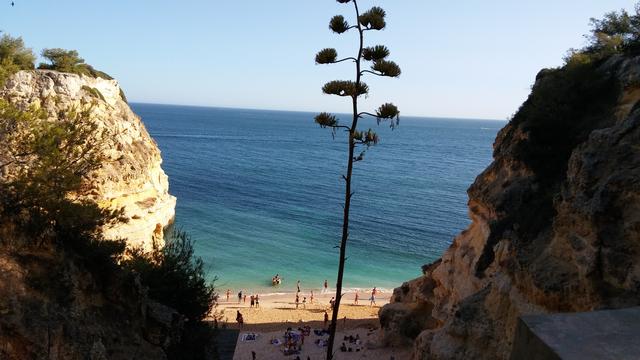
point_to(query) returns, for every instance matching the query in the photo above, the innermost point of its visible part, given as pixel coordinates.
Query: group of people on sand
(255, 300)
(242, 298)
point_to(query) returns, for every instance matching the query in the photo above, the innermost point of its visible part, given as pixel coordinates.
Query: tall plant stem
(347, 195)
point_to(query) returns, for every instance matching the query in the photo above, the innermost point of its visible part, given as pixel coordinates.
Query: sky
(459, 58)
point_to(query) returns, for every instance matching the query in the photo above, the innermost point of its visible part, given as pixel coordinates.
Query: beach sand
(278, 312)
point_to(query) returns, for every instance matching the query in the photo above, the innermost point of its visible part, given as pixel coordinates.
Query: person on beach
(304, 302)
(244, 299)
(228, 294)
(326, 286)
(239, 319)
(332, 302)
(253, 300)
(326, 319)
(355, 302)
(240, 297)
(298, 285)
(297, 300)
(311, 298)
(257, 301)
(372, 299)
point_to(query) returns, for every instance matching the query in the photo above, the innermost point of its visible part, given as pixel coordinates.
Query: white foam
(318, 292)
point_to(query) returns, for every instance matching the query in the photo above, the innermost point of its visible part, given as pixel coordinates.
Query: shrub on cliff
(174, 276)
(46, 163)
(14, 56)
(615, 33)
(565, 102)
(69, 61)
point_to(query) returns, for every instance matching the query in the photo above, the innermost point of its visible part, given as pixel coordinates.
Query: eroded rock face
(133, 178)
(555, 221)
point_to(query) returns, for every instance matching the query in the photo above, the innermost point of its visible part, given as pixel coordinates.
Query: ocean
(261, 193)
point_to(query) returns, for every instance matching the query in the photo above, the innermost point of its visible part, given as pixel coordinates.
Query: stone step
(602, 335)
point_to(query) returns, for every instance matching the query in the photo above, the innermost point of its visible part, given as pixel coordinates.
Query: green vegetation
(373, 19)
(567, 102)
(14, 56)
(69, 61)
(48, 161)
(615, 33)
(175, 277)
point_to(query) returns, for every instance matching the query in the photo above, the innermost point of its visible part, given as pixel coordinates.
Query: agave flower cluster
(372, 19)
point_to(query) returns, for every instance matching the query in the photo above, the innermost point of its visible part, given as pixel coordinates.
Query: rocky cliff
(53, 307)
(132, 178)
(555, 221)
(65, 295)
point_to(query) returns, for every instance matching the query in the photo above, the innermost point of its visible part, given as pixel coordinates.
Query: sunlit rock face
(132, 178)
(555, 222)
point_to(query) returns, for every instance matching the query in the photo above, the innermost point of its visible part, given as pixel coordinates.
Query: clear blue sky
(460, 58)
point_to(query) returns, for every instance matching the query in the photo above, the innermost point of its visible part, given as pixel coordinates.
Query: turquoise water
(260, 192)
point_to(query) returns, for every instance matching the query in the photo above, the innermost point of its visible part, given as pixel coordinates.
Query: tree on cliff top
(69, 61)
(615, 33)
(14, 56)
(372, 19)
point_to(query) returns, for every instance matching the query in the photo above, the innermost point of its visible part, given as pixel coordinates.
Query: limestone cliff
(132, 178)
(555, 221)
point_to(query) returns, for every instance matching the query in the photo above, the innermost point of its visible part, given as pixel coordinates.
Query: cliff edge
(132, 178)
(555, 221)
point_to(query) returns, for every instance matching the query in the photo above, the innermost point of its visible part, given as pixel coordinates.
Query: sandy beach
(278, 312)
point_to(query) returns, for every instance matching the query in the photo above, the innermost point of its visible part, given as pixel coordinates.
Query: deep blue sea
(261, 193)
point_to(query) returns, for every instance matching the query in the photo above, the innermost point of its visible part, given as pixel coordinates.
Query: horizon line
(311, 112)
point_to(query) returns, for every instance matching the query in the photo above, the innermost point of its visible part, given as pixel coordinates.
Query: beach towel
(248, 337)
